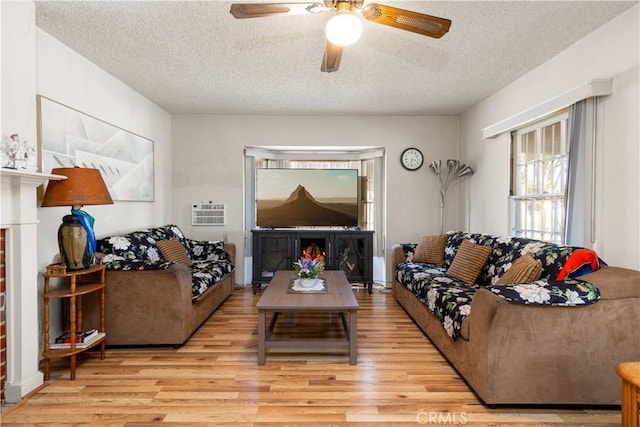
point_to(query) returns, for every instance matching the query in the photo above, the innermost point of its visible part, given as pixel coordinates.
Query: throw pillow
(468, 262)
(582, 261)
(525, 269)
(430, 249)
(172, 250)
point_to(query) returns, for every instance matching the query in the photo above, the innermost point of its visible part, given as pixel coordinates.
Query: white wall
(609, 52)
(208, 164)
(18, 71)
(68, 78)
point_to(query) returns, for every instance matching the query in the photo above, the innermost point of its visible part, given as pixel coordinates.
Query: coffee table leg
(353, 337)
(262, 315)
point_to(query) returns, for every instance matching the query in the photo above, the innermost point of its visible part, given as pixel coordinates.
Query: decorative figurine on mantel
(16, 154)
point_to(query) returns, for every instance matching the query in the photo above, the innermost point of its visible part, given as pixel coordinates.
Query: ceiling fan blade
(258, 10)
(331, 59)
(415, 22)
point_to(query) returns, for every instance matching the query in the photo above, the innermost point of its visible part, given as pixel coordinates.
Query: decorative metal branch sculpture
(456, 170)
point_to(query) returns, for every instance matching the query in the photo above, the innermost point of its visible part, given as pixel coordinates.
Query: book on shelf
(81, 336)
(87, 343)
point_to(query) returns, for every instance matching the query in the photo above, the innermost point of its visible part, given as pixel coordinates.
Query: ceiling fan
(346, 26)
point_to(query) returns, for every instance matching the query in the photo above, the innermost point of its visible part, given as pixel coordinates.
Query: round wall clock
(411, 159)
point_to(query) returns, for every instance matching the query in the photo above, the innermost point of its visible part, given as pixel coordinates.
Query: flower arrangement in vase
(308, 270)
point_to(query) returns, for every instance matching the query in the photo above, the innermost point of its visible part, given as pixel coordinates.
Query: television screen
(307, 197)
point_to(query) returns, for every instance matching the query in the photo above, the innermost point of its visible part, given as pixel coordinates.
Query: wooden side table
(630, 374)
(77, 283)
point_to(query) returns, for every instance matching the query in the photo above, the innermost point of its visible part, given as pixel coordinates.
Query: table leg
(353, 337)
(72, 366)
(262, 323)
(47, 367)
(629, 405)
(73, 327)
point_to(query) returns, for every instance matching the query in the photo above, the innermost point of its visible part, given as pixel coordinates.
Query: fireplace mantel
(27, 176)
(19, 216)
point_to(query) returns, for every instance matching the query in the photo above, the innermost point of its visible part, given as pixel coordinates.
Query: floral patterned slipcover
(450, 299)
(138, 251)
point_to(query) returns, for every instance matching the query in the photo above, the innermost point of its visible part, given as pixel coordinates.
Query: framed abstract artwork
(68, 138)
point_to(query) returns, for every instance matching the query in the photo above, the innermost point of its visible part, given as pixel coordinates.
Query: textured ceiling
(194, 57)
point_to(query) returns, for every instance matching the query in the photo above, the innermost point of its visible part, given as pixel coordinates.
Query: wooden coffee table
(277, 299)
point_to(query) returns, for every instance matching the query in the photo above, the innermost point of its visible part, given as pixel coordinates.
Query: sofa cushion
(205, 274)
(140, 250)
(140, 245)
(206, 250)
(430, 249)
(505, 250)
(524, 270)
(499, 246)
(468, 262)
(172, 250)
(448, 298)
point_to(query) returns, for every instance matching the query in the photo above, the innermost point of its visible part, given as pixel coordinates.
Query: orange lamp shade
(83, 186)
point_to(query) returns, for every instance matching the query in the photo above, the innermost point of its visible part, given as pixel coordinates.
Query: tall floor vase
(455, 171)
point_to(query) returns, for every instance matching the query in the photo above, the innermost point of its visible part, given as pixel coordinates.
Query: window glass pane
(554, 176)
(548, 215)
(560, 211)
(528, 148)
(558, 176)
(529, 180)
(519, 216)
(550, 143)
(520, 181)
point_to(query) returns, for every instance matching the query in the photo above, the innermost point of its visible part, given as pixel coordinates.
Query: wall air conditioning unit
(208, 213)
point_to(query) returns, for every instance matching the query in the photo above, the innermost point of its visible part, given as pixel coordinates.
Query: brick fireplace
(20, 337)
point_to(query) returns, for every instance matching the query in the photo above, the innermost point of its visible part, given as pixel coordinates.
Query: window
(368, 160)
(539, 166)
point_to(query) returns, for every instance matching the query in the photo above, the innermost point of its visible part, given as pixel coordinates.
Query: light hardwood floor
(214, 380)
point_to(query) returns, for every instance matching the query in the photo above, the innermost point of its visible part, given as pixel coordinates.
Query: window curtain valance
(590, 89)
(314, 153)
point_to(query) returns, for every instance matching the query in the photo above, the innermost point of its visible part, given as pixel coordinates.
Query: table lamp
(76, 239)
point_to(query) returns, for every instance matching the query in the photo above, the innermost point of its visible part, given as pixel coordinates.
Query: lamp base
(73, 244)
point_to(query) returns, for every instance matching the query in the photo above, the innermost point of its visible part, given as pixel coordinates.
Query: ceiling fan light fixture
(344, 29)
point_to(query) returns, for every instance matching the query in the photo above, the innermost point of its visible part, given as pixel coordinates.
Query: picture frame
(68, 137)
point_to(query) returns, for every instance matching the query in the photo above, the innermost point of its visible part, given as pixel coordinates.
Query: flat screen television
(306, 198)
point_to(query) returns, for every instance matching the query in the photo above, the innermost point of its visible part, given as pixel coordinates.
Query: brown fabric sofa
(511, 353)
(156, 305)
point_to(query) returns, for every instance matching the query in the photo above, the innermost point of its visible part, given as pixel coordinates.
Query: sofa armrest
(397, 255)
(149, 306)
(614, 282)
(230, 249)
(521, 345)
